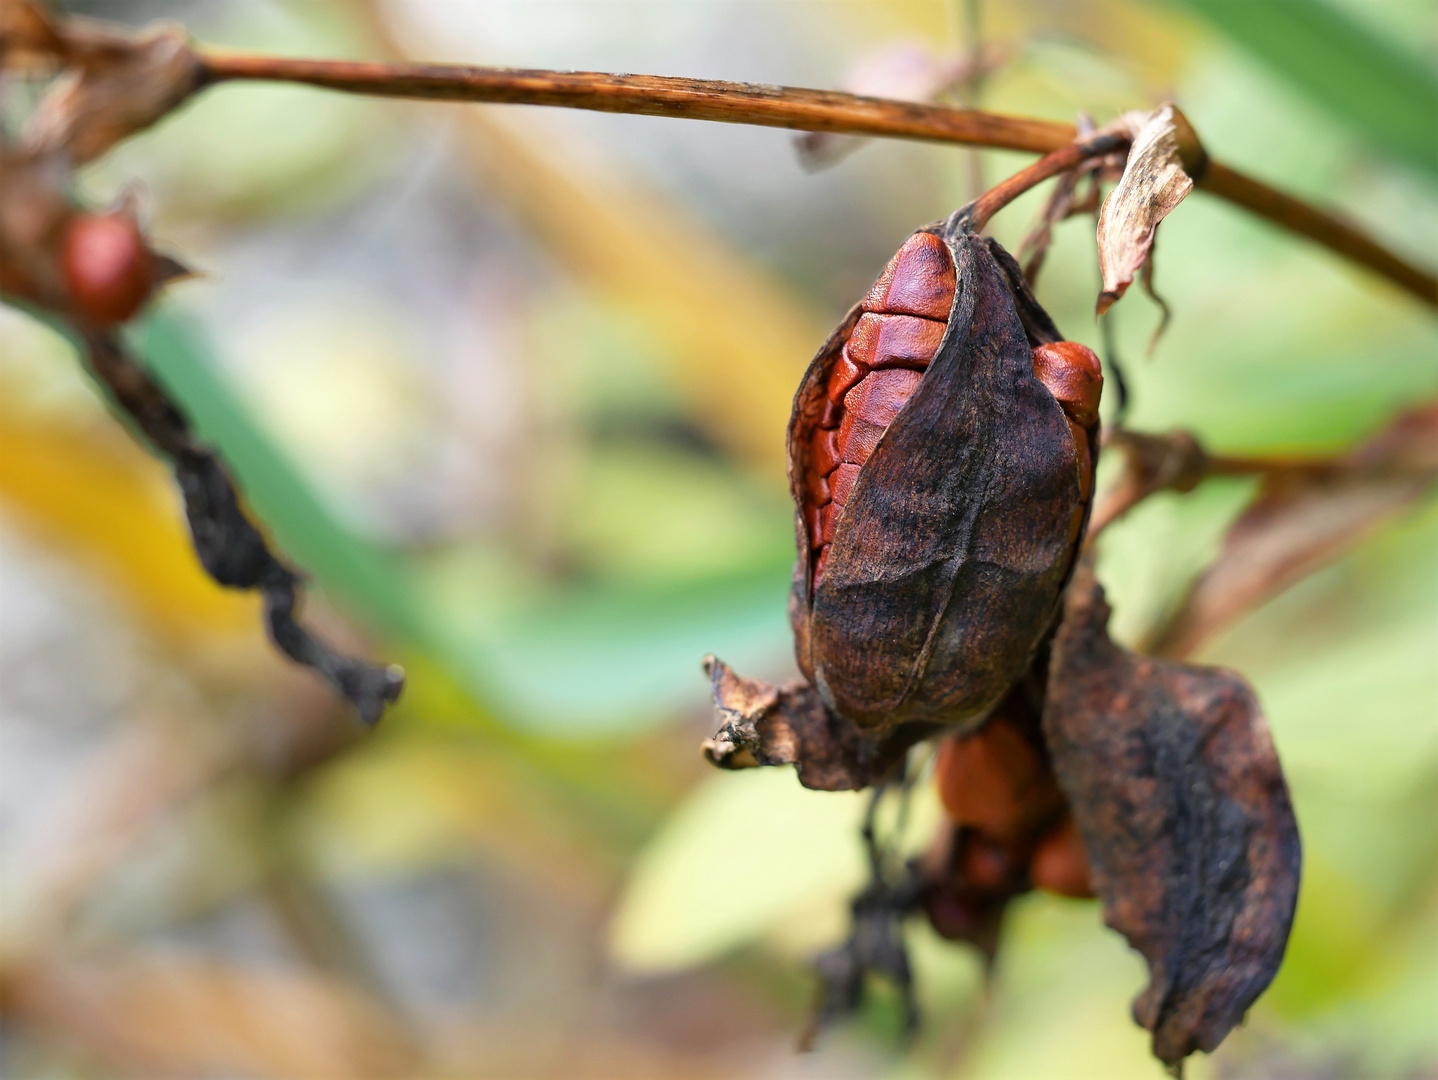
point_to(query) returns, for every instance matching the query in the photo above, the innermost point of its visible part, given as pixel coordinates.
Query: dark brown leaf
(1177, 791)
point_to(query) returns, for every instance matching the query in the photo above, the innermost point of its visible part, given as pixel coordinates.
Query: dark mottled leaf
(1176, 788)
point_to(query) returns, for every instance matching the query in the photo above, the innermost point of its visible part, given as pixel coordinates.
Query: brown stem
(796, 108)
(656, 95)
(1325, 228)
(1061, 160)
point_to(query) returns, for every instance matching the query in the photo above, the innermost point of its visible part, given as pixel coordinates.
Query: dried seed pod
(941, 456)
(942, 469)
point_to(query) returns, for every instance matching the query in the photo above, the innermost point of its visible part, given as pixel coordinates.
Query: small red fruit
(108, 269)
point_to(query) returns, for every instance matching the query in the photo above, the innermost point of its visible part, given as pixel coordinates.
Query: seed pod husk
(941, 473)
(946, 563)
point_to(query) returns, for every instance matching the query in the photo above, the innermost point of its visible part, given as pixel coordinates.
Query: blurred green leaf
(573, 663)
(1384, 93)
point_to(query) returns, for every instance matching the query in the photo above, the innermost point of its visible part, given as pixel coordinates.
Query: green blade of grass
(359, 575)
(581, 663)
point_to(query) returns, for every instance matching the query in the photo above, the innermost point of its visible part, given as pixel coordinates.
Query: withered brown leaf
(1303, 518)
(1163, 163)
(117, 85)
(1175, 785)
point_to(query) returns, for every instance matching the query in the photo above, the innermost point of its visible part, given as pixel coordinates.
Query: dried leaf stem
(795, 108)
(978, 212)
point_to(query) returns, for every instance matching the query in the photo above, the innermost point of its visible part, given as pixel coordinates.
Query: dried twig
(794, 108)
(228, 544)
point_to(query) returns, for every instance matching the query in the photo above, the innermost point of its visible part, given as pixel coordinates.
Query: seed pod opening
(940, 487)
(941, 454)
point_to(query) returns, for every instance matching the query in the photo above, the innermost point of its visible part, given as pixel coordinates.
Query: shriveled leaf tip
(1162, 163)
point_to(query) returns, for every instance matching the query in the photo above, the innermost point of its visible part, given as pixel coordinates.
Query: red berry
(107, 267)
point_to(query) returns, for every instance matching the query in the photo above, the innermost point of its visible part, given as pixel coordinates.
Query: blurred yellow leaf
(194, 1017)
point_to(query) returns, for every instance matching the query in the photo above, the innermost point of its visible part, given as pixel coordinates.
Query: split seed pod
(941, 455)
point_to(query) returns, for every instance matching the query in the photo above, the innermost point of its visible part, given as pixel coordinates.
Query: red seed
(857, 439)
(985, 863)
(985, 779)
(919, 280)
(845, 374)
(842, 482)
(819, 562)
(817, 489)
(1073, 375)
(824, 452)
(882, 341)
(811, 525)
(878, 398)
(107, 268)
(1060, 862)
(828, 518)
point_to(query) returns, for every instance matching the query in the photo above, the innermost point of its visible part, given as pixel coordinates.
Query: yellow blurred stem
(738, 339)
(110, 505)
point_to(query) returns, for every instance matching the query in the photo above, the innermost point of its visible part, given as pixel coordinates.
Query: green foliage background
(499, 470)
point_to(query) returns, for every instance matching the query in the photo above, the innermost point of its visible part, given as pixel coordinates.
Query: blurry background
(510, 384)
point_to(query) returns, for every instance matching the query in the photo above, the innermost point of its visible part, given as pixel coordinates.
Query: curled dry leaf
(1163, 163)
(1177, 791)
(230, 546)
(115, 87)
(1303, 518)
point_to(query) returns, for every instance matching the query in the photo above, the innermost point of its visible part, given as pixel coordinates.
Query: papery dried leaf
(1303, 519)
(1176, 788)
(1162, 164)
(27, 36)
(122, 85)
